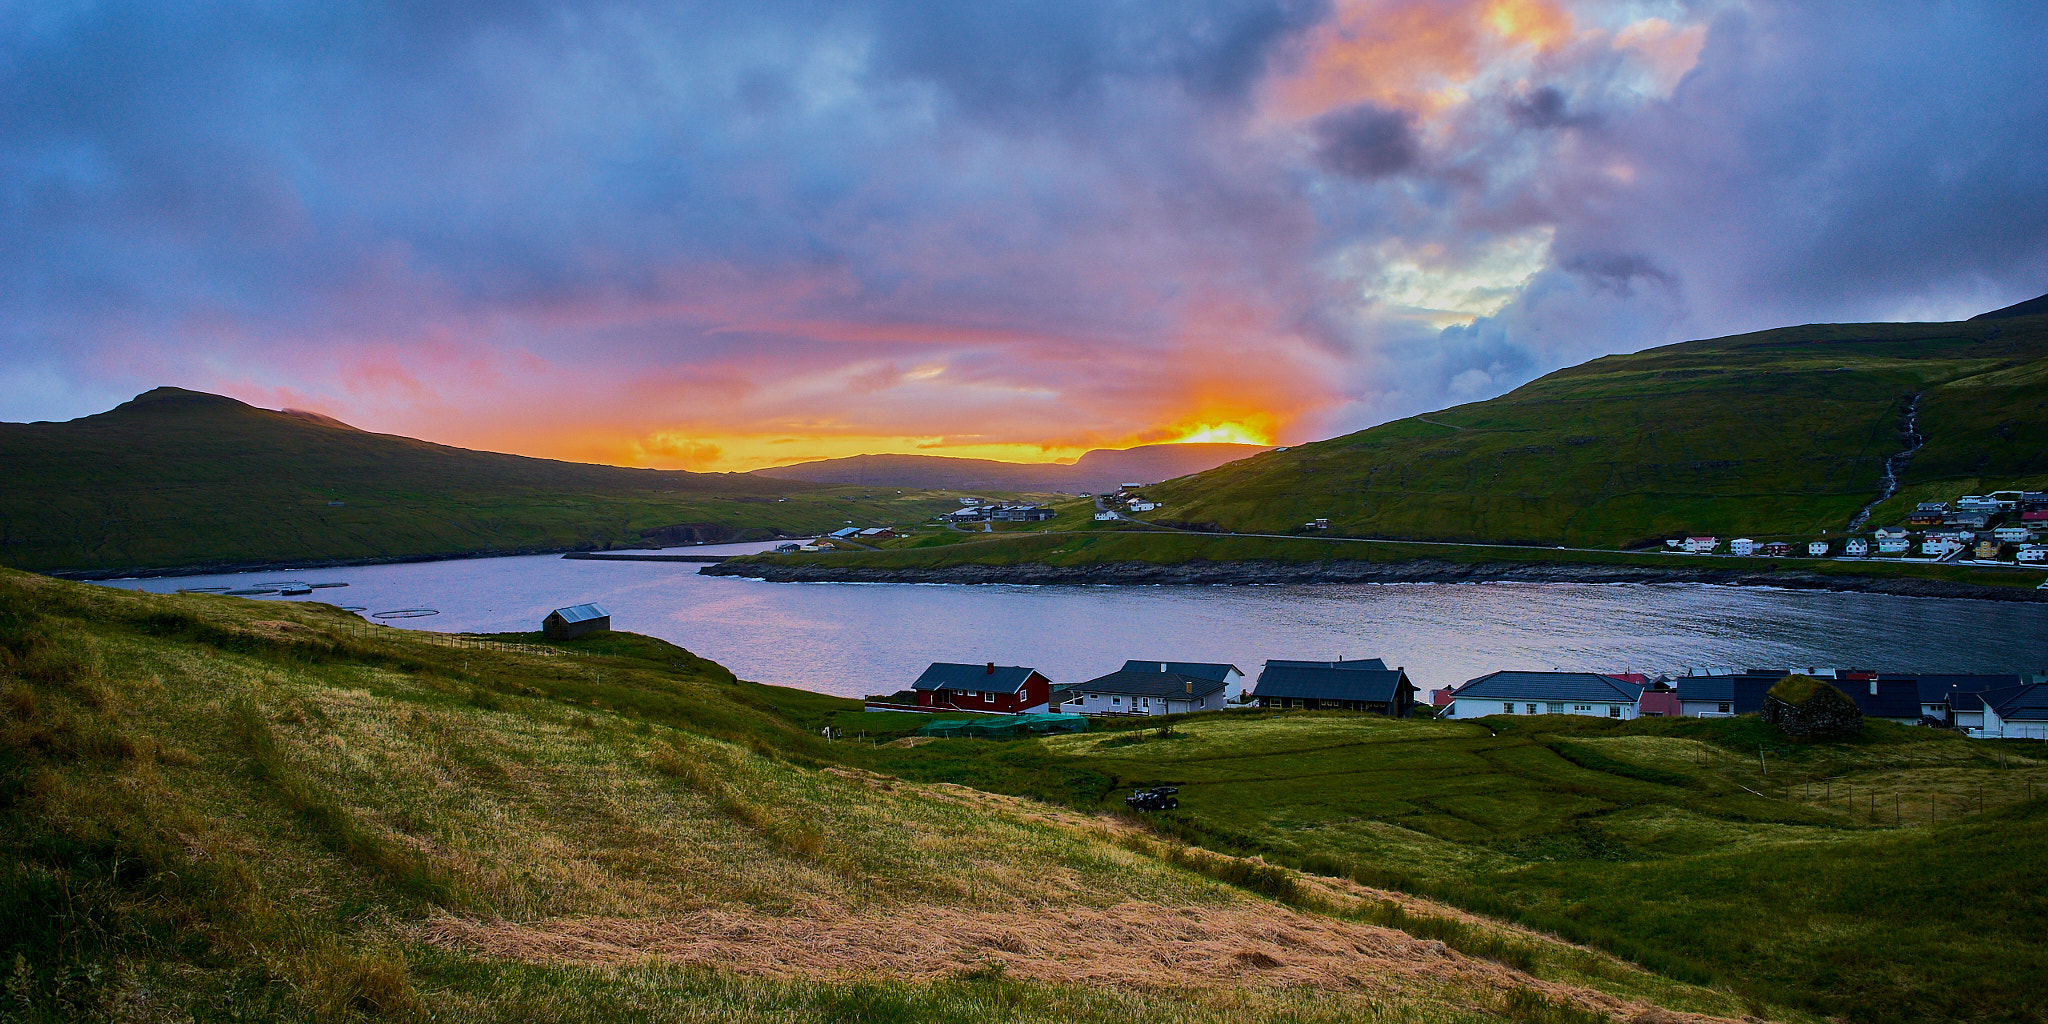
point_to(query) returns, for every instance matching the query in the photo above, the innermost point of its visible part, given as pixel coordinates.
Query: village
(2011, 705)
(2003, 527)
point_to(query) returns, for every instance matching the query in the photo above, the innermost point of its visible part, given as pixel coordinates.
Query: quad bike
(1158, 798)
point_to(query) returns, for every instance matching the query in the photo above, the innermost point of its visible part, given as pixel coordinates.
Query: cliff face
(1415, 571)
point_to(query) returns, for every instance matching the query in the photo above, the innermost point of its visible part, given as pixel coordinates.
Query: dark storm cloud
(1366, 141)
(1617, 272)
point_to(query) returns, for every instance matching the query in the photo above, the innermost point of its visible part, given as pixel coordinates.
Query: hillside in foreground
(1103, 469)
(1778, 433)
(216, 809)
(185, 479)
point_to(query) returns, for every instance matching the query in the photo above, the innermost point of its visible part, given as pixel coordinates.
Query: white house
(1817, 548)
(2033, 553)
(2020, 713)
(1856, 548)
(1143, 506)
(2011, 534)
(1742, 546)
(1937, 547)
(1701, 545)
(1544, 693)
(1105, 516)
(1893, 545)
(1891, 533)
(1143, 690)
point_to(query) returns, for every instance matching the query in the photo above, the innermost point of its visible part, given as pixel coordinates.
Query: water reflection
(854, 639)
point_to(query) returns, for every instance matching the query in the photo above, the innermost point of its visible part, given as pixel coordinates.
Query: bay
(857, 639)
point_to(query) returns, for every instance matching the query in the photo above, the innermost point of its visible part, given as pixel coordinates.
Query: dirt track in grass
(1127, 945)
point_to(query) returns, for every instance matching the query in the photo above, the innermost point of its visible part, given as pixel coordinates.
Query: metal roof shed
(574, 621)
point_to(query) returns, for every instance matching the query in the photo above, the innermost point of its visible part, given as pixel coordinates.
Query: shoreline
(1421, 570)
(288, 565)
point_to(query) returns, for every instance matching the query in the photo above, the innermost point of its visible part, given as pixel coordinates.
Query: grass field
(182, 479)
(214, 809)
(1820, 877)
(1779, 434)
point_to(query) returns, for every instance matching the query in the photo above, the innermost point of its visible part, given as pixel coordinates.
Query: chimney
(1191, 689)
(1162, 666)
(991, 668)
(1873, 686)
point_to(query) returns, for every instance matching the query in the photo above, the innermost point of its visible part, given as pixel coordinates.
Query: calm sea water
(855, 639)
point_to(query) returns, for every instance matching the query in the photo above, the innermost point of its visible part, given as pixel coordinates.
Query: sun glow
(1222, 433)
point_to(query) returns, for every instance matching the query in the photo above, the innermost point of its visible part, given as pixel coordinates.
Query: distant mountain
(1099, 470)
(2032, 307)
(1783, 432)
(183, 478)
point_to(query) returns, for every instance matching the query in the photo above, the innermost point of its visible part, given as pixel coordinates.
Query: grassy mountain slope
(214, 809)
(177, 478)
(1782, 432)
(1101, 470)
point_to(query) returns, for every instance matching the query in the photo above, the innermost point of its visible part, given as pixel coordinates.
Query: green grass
(1777, 434)
(218, 809)
(1817, 879)
(181, 479)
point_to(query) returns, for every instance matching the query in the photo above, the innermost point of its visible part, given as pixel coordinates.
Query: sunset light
(1010, 232)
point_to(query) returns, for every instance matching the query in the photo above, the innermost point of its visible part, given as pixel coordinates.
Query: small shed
(574, 621)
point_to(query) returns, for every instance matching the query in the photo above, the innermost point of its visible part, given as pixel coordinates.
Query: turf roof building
(1545, 693)
(574, 621)
(1145, 690)
(988, 688)
(1362, 684)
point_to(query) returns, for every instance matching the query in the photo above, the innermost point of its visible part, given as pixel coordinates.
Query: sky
(721, 236)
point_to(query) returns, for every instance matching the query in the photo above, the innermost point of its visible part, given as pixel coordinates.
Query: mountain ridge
(1101, 469)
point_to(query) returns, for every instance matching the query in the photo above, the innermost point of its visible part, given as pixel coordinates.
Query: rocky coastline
(1422, 570)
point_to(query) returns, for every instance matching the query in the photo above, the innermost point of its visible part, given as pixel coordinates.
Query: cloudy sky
(727, 235)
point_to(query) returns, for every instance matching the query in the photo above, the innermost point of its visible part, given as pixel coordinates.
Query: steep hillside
(1779, 432)
(180, 478)
(215, 809)
(1100, 470)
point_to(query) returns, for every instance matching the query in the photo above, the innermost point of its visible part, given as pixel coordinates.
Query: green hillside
(223, 810)
(1779, 433)
(180, 478)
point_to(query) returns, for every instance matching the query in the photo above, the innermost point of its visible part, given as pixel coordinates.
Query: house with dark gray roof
(574, 621)
(988, 688)
(1142, 691)
(1231, 675)
(1545, 693)
(1364, 684)
(1953, 699)
(2015, 713)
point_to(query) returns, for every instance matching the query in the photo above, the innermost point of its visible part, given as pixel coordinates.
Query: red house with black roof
(989, 688)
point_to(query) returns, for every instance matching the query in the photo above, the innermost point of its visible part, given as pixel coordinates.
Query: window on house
(1556, 708)
(1532, 709)
(1724, 708)
(1116, 700)
(1614, 711)
(1507, 709)
(1583, 708)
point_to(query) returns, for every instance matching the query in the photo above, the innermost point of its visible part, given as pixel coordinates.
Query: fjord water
(855, 639)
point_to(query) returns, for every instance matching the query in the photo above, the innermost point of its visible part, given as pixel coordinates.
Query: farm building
(992, 688)
(1364, 684)
(1545, 693)
(574, 621)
